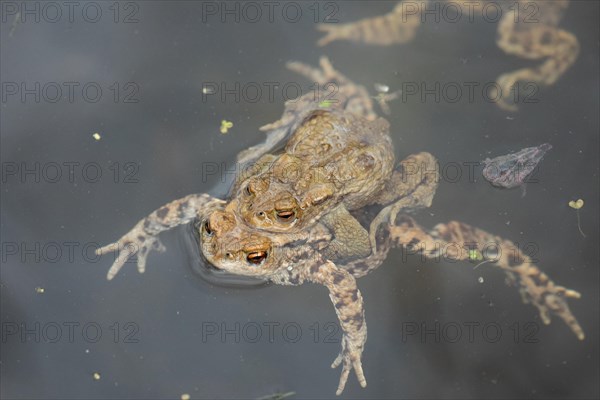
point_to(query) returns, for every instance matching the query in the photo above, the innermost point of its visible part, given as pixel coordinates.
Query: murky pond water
(155, 80)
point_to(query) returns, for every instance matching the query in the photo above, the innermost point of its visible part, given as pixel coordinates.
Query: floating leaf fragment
(39, 290)
(225, 126)
(576, 204)
(512, 170)
(326, 103)
(96, 376)
(185, 396)
(97, 136)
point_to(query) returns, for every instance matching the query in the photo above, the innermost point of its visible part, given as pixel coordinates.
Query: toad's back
(353, 153)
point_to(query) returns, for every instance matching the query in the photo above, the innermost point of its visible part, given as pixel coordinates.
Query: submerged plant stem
(481, 263)
(579, 225)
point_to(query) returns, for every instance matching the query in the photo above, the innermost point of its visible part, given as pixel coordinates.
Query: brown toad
(333, 163)
(527, 29)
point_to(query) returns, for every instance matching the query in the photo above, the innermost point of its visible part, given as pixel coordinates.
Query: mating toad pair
(327, 209)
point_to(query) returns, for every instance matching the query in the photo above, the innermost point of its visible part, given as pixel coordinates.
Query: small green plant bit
(225, 126)
(577, 205)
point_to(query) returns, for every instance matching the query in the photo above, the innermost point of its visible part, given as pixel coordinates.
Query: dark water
(155, 336)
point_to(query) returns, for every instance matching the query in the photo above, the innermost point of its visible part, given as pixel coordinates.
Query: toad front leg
(348, 303)
(143, 237)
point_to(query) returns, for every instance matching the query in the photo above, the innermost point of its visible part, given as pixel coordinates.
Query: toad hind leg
(535, 286)
(143, 237)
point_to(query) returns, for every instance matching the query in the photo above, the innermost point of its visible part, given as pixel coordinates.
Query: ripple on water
(208, 273)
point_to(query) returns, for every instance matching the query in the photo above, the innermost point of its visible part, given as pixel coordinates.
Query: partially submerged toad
(527, 29)
(328, 247)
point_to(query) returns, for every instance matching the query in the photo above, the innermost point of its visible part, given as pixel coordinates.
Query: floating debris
(97, 136)
(480, 279)
(384, 95)
(225, 126)
(381, 88)
(576, 205)
(208, 90)
(325, 103)
(511, 170)
(277, 396)
(14, 24)
(481, 263)
(185, 396)
(475, 255)
(382, 99)
(96, 376)
(39, 290)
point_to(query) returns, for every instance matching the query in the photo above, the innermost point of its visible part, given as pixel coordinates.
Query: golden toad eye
(286, 216)
(207, 229)
(256, 257)
(229, 256)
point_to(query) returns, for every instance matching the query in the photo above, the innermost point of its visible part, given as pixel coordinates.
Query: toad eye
(286, 216)
(206, 227)
(229, 256)
(261, 215)
(248, 191)
(257, 257)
